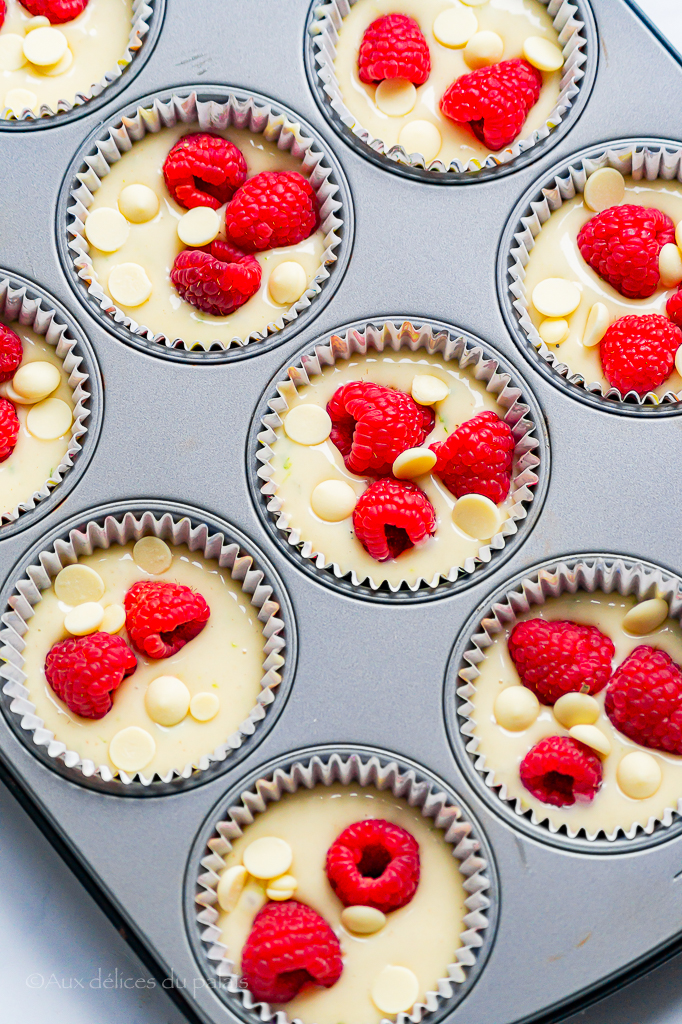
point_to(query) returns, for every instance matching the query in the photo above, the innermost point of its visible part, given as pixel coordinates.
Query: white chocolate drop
(49, 419)
(553, 332)
(395, 989)
(414, 462)
(395, 96)
(231, 886)
(670, 265)
(11, 52)
(474, 3)
(8, 392)
(516, 707)
(639, 775)
(60, 67)
(204, 706)
(152, 555)
(678, 234)
(85, 618)
(591, 736)
(199, 226)
(167, 700)
(282, 888)
(427, 389)
(114, 619)
(45, 46)
(421, 137)
(131, 749)
(40, 21)
(604, 188)
(483, 49)
(646, 616)
(287, 283)
(77, 584)
(106, 229)
(129, 284)
(35, 381)
(543, 54)
(19, 100)
(597, 325)
(362, 920)
(477, 516)
(333, 500)
(308, 424)
(138, 203)
(268, 857)
(455, 26)
(556, 297)
(576, 709)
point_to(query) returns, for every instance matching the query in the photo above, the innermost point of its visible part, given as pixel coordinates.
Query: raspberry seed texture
(374, 863)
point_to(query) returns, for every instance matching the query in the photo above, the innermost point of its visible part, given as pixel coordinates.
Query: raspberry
(3, 12)
(203, 170)
(84, 670)
(558, 770)
(494, 101)
(638, 352)
(644, 699)
(163, 617)
(58, 11)
(9, 428)
(622, 244)
(392, 516)
(217, 279)
(372, 425)
(477, 458)
(554, 658)
(11, 353)
(673, 307)
(272, 209)
(393, 47)
(374, 864)
(289, 946)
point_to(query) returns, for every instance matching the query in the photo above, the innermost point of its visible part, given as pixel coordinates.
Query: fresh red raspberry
(494, 101)
(9, 428)
(673, 307)
(558, 770)
(372, 425)
(374, 864)
(11, 353)
(477, 458)
(393, 47)
(204, 170)
(558, 657)
(622, 245)
(58, 11)
(638, 352)
(84, 671)
(216, 279)
(289, 946)
(3, 12)
(644, 699)
(272, 209)
(392, 516)
(163, 617)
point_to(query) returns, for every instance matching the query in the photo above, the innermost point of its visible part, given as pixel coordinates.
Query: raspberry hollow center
(375, 859)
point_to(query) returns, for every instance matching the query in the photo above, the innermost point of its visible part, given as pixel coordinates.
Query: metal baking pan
(570, 923)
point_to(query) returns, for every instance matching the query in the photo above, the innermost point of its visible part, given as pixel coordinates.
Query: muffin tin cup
(119, 525)
(572, 20)
(643, 159)
(452, 345)
(590, 572)
(208, 108)
(322, 766)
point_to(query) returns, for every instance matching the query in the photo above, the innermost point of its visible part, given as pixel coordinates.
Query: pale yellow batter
(504, 750)
(423, 936)
(225, 659)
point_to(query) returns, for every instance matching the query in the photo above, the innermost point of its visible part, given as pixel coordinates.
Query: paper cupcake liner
(607, 573)
(383, 773)
(452, 346)
(324, 31)
(120, 530)
(16, 305)
(143, 12)
(239, 110)
(634, 158)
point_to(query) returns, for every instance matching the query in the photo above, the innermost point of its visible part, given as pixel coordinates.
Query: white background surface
(61, 959)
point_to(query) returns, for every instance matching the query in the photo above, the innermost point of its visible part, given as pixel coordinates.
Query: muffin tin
(566, 920)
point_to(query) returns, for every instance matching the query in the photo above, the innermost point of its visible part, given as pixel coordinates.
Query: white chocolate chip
(11, 52)
(231, 886)
(204, 706)
(333, 500)
(78, 584)
(553, 332)
(252, 899)
(427, 389)
(455, 26)
(678, 360)
(591, 736)
(483, 48)
(395, 989)
(138, 203)
(576, 709)
(362, 920)
(516, 708)
(45, 46)
(477, 516)
(167, 700)
(308, 424)
(639, 775)
(40, 21)
(395, 96)
(131, 749)
(421, 137)
(604, 188)
(542, 54)
(413, 462)
(268, 857)
(85, 618)
(287, 283)
(678, 234)
(106, 229)
(152, 555)
(474, 3)
(198, 226)
(35, 381)
(646, 616)
(556, 297)
(597, 325)
(114, 618)
(19, 100)
(49, 419)
(670, 265)
(282, 888)
(60, 67)
(8, 392)
(129, 284)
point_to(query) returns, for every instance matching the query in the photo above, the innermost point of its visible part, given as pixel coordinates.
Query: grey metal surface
(178, 433)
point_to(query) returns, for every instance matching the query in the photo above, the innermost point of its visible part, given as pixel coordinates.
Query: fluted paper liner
(633, 159)
(142, 14)
(208, 116)
(606, 574)
(435, 341)
(36, 313)
(324, 35)
(121, 530)
(349, 769)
